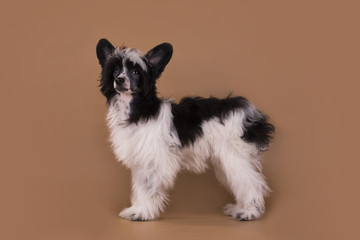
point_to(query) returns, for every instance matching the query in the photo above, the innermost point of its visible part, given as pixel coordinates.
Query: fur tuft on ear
(103, 50)
(159, 57)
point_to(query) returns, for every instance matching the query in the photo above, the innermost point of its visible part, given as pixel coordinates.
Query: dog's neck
(135, 108)
(121, 105)
(144, 107)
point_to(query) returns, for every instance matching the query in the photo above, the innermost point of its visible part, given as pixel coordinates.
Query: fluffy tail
(257, 128)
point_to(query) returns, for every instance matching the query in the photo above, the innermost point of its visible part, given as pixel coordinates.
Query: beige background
(298, 61)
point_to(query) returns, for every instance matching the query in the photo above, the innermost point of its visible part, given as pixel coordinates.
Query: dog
(156, 138)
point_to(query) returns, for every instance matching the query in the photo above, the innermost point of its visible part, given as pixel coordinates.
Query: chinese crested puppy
(157, 138)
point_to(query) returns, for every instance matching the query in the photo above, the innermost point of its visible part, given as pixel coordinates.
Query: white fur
(152, 151)
(133, 55)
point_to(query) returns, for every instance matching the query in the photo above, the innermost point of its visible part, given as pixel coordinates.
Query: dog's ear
(103, 50)
(159, 57)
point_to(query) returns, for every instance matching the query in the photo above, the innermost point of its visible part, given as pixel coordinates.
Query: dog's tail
(257, 128)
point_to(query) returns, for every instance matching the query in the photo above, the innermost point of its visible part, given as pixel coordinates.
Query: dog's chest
(124, 106)
(143, 141)
(119, 111)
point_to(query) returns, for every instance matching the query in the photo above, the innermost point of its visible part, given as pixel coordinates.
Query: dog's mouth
(121, 89)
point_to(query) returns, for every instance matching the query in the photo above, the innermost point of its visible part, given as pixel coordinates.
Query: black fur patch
(107, 78)
(144, 107)
(190, 113)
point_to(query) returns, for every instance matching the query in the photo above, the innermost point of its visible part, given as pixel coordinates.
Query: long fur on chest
(145, 142)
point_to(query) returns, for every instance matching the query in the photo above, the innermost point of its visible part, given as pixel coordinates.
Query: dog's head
(128, 71)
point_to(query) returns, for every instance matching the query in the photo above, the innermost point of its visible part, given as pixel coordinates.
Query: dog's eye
(135, 72)
(116, 71)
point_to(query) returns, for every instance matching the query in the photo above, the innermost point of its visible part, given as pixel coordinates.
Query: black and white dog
(157, 138)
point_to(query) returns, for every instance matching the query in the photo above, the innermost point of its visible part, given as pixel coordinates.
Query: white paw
(229, 209)
(243, 214)
(135, 214)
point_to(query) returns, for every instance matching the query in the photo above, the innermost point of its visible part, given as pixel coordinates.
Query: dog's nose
(119, 80)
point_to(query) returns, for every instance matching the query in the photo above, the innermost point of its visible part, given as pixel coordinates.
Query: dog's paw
(135, 214)
(242, 214)
(229, 209)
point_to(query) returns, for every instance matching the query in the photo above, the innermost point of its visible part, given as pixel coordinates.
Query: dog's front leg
(149, 187)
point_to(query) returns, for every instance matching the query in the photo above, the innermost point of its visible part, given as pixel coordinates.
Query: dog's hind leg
(149, 192)
(240, 172)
